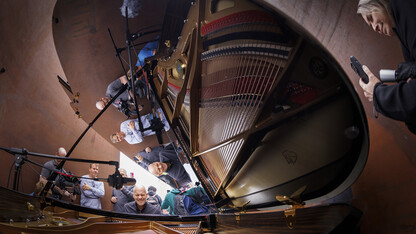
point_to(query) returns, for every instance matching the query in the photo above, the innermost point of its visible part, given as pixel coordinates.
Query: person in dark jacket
(140, 205)
(152, 197)
(169, 163)
(122, 196)
(386, 17)
(147, 156)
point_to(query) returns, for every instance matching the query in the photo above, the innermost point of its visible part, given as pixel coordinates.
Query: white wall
(142, 176)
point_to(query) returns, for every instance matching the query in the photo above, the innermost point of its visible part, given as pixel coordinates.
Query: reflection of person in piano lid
(129, 129)
(147, 156)
(125, 97)
(169, 163)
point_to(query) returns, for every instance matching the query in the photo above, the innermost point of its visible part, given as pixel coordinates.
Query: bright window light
(142, 176)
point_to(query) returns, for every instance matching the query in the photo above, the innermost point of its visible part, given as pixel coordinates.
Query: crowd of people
(161, 161)
(128, 199)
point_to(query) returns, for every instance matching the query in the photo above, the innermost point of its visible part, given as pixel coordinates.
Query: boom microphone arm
(133, 77)
(114, 180)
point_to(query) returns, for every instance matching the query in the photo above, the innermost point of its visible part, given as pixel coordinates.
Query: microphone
(404, 71)
(388, 75)
(133, 8)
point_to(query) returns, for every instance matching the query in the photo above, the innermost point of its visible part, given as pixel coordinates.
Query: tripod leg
(16, 178)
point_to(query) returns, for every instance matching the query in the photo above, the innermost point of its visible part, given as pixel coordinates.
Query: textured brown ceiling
(87, 55)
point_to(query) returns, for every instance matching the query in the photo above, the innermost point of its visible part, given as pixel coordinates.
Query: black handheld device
(358, 68)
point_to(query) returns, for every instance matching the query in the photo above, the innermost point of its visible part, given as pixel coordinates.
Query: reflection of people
(169, 163)
(124, 98)
(147, 51)
(122, 196)
(91, 191)
(385, 17)
(140, 205)
(48, 168)
(147, 156)
(129, 129)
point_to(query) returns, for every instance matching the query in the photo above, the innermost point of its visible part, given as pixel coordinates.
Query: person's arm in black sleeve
(396, 101)
(143, 162)
(405, 71)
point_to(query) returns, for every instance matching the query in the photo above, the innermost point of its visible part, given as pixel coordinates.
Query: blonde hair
(369, 6)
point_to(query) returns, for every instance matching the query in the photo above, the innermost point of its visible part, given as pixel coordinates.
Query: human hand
(131, 125)
(369, 87)
(148, 149)
(73, 197)
(114, 199)
(85, 186)
(138, 157)
(66, 193)
(123, 79)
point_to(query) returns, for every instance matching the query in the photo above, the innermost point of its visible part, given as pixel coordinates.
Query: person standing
(152, 197)
(48, 168)
(130, 131)
(91, 191)
(122, 196)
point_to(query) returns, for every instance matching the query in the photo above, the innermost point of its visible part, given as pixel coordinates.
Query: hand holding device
(358, 68)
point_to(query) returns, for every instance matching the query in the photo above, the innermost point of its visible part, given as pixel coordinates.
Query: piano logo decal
(290, 156)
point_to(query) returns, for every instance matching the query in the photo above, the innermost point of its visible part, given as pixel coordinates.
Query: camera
(124, 107)
(68, 182)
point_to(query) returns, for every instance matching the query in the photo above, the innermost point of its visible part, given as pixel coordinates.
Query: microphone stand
(133, 75)
(114, 180)
(54, 174)
(61, 164)
(156, 124)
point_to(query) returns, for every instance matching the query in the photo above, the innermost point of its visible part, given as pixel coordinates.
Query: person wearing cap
(152, 197)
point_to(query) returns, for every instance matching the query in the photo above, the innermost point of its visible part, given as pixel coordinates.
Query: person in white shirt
(129, 129)
(91, 191)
